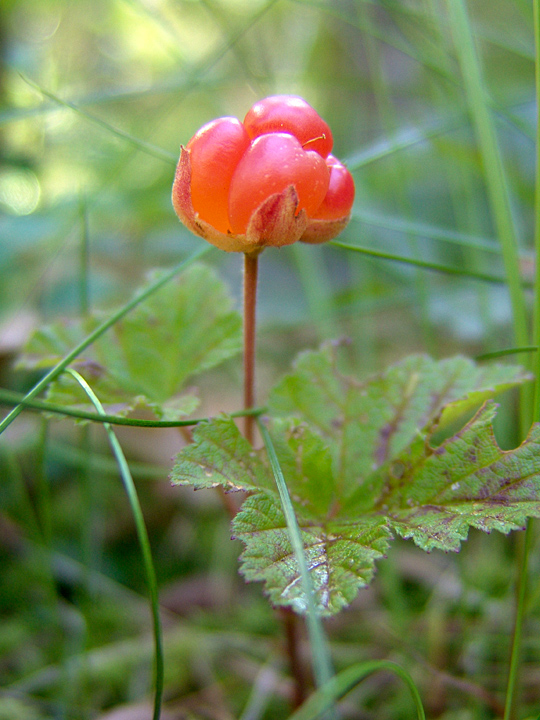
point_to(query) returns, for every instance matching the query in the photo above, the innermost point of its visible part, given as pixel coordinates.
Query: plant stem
(291, 627)
(536, 305)
(251, 266)
(475, 92)
(144, 543)
(322, 662)
(290, 621)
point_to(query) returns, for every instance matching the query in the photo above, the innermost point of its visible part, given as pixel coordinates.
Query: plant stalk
(144, 543)
(291, 626)
(524, 547)
(289, 619)
(251, 267)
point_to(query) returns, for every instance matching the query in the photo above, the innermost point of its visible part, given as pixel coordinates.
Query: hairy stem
(251, 266)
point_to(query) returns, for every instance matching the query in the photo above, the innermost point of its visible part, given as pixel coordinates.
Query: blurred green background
(96, 98)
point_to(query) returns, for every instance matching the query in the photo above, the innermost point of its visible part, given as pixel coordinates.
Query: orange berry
(272, 163)
(339, 198)
(216, 150)
(289, 113)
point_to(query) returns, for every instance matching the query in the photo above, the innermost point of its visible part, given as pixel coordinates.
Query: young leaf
(147, 357)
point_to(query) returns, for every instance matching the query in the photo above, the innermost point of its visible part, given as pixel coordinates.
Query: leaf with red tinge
(468, 481)
(362, 464)
(340, 557)
(220, 456)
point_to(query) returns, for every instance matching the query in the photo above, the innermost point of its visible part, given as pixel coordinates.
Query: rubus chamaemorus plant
(363, 459)
(359, 457)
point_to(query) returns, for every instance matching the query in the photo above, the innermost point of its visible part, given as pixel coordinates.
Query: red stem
(251, 266)
(291, 625)
(290, 621)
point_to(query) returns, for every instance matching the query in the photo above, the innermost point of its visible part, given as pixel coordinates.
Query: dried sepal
(320, 231)
(277, 222)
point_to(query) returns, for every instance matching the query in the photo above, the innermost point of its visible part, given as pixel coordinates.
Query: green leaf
(147, 358)
(434, 495)
(306, 462)
(362, 464)
(340, 557)
(220, 455)
(373, 420)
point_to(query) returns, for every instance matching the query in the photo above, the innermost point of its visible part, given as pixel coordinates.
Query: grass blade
(505, 352)
(322, 665)
(500, 208)
(403, 139)
(425, 230)
(526, 541)
(11, 398)
(426, 265)
(143, 541)
(345, 681)
(141, 145)
(492, 161)
(536, 309)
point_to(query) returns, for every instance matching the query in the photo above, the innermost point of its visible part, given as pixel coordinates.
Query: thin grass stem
(322, 664)
(536, 306)
(426, 265)
(141, 145)
(522, 555)
(12, 398)
(346, 680)
(144, 542)
(493, 171)
(84, 261)
(525, 543)
(500, 208)
(506, 351)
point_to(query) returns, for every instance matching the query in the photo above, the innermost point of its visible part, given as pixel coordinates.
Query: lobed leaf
(220, 455)
(468, 481)
(362, 464)
(146, 359)
(340, 558)
(373, 420)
